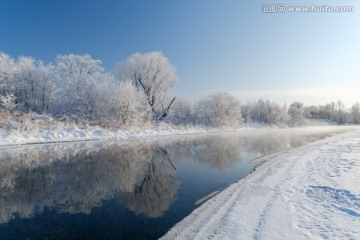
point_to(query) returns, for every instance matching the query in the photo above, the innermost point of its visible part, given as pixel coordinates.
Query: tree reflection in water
(75, 178)
(153, 195)
(141, 177)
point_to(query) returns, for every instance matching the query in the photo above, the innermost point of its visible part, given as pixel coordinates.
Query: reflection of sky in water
(132, 189)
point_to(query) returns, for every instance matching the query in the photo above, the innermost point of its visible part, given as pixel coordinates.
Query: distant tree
(181, 112)
(246, 113)
(276, 113)
(355, 112)
(219, 109)
(330, 109)
(296, 112)
(264, 112)
(312, 112)
(152, 75)
(340, 116)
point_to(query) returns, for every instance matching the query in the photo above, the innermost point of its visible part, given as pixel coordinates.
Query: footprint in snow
(340, 199)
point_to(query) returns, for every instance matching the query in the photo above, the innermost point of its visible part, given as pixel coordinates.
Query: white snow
(48, 130)
(311, 192)
(70, 132)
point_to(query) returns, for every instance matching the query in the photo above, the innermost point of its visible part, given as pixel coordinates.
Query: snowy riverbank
(51, 131)
(311, 192)
(70, 132)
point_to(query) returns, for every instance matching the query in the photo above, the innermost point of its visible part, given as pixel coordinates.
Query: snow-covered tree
(152, 75)
(129, 105)
(329, 110)
(355, 112)
(340, 115)
(46, 83)
(25, 83)
(181, 112)
(7, 102)
(297, 112)
(264, 112)
(219, 109)
(80, 76)
(312, 112)
(7, 71)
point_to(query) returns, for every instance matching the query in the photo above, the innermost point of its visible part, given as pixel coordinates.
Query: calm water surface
(133, 190)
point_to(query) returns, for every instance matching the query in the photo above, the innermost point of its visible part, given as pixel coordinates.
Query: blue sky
(215, 45)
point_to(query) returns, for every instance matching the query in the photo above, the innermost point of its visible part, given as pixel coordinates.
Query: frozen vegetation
(310, 192)
(74, 98)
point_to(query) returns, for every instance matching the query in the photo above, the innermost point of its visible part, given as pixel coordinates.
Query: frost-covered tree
(312, 112)
(7, 102)
(152, 75)
(264, 112)
(129, 107)
(219, 109)
(7, 106)
(296, 112)
(340, 115)
(46, 82)
(80, 77)
(119, 103)
(25, 83)
(329, 110)
(181, 112)
(7, 71)
(355, 112)
(30, 82)
(32, 85)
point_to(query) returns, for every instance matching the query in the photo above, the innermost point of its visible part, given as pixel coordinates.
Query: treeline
(77, 87)
(223, 109)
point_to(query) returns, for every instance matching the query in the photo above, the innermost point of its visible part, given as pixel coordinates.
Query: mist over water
(137, 189)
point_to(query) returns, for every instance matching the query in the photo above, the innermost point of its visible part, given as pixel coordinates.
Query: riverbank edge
(75, 133)
(195, 224)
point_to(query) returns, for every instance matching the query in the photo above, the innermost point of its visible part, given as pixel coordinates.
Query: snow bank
(311, 192)
(70, 132)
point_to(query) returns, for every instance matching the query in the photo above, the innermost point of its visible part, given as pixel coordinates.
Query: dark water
(114, 190)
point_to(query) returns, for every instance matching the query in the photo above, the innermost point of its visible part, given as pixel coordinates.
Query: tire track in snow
(288, 162)
(263, 216)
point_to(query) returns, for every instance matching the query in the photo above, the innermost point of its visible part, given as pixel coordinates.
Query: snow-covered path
(311, 192)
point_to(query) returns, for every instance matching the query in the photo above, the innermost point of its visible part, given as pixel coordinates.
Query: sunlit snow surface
(311, 192)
